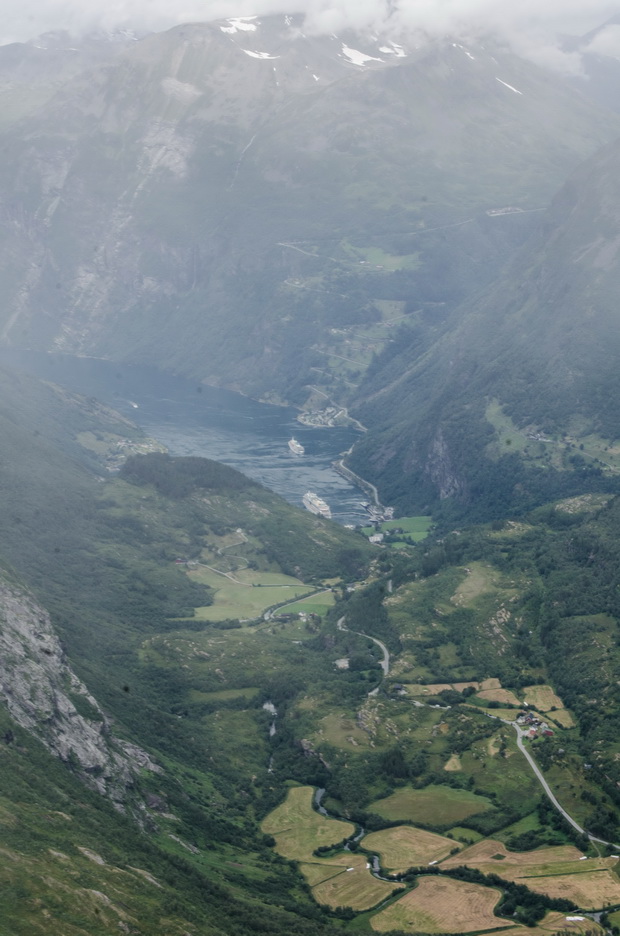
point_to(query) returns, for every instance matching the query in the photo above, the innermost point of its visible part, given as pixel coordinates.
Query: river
(190, 418)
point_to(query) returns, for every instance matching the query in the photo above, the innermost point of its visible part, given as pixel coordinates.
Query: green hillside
(516, 403)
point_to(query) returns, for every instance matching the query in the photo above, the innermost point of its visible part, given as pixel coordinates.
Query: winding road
(548, 791)
(385, 662)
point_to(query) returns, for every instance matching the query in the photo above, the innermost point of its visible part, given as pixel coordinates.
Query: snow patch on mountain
(358, 58)
(393, 49)
(260, 55)
(456, 45)
(506, 85)
(240, 24)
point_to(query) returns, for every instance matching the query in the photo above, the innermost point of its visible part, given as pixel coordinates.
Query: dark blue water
(192, 419)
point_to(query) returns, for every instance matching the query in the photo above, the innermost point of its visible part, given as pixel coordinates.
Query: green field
(433, 805)
(415, 528)
(314, 604)
(247, 601)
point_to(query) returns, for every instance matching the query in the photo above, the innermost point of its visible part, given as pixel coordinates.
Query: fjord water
(190, 418)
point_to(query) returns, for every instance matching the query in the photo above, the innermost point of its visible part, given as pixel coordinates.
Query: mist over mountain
(220, 197)
(533, 357)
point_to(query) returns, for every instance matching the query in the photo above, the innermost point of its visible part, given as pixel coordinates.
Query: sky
(532, 27)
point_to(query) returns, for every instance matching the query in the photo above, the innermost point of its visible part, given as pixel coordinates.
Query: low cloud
(534, 28)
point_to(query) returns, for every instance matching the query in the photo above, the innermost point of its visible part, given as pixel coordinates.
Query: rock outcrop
(45, 697)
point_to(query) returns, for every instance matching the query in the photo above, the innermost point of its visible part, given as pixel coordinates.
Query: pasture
(434, 805)
(441, 905)
(246, 601)
(313, 604)
(479, 579)
(403, 847)
(503, 696)
(298, 829)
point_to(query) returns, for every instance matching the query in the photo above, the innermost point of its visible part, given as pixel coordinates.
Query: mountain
(518, 400)
(254, 207)
(131, 785)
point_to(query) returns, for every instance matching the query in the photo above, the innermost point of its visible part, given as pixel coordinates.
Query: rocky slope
(44, 696)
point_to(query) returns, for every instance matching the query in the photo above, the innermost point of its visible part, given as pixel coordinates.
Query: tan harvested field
(555, 922)
(485, 851)
(558, 871)
(354, 887)
(590, 890)
(563, 717)
(317, 871)
(298, 829)
(459, 686)
(404, 846)
(453, 764)
(441, 905)
(433, 805)
(542, 698)
(499, 695)
(416, 689)
(490, 684)
(340, 881)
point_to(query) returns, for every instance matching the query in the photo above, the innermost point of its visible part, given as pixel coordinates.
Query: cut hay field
(562, 717)
(557, 871)
(488, 850)
(542, 698)
(590, 890)
(441, 905)
(403, 847)
(555, 922)
(342, 880)
(453, 764)
(433, 805)
(298, 829)
(353, 887)
(417, 689)
(504, 696)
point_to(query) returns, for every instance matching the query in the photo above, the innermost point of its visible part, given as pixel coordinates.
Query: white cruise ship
(296, 447)
(316, 505)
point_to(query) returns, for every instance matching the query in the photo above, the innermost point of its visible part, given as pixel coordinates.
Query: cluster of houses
(535, 725)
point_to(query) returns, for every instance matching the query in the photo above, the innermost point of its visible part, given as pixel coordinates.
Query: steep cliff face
(44, 696)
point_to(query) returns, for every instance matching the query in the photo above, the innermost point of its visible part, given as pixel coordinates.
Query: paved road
(385, 662)
(545, 785)
(542, 780)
